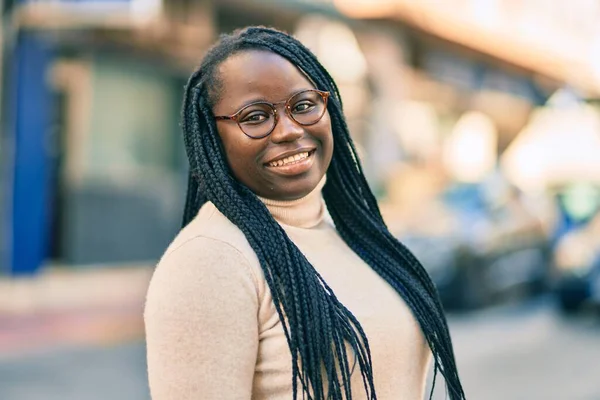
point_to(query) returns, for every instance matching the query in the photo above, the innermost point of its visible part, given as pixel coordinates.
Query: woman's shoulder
(209, 230)
(209, 250)
(210, 242)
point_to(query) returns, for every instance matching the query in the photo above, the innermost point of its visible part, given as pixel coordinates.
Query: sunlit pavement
(72, 307)
(510, 352)
(95, 373)
(529, 352)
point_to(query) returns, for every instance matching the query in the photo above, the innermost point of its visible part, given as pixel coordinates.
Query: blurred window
(133, 126)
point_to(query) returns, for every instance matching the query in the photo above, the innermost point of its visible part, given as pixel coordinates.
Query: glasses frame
(235, 117)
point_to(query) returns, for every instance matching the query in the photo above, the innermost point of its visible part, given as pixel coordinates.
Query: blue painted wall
(32, 168)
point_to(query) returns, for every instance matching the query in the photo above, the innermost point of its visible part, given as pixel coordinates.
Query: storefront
(94, 170)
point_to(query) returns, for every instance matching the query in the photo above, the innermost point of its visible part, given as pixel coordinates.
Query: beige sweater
(213, 333)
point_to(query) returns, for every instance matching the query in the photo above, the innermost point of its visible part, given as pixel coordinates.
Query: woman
(285, 280)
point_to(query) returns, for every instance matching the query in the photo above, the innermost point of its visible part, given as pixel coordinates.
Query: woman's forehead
(262, 73)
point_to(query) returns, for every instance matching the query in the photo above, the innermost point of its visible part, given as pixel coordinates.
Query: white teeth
(289, 160)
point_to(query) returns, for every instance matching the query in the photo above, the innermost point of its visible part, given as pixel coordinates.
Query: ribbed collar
(305, 212)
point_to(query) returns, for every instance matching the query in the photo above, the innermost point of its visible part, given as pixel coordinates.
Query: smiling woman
(255, 85)
(284, 277)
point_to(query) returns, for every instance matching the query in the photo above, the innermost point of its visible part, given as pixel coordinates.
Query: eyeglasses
(258, 120)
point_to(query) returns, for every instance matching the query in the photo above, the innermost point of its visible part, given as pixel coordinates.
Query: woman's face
(252, 76)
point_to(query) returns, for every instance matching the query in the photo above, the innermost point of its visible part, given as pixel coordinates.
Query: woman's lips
(290, 167)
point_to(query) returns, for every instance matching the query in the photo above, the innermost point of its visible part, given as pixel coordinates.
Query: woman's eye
(255, 118)
(302, 107)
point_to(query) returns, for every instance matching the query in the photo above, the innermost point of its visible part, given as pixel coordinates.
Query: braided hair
(316, 325)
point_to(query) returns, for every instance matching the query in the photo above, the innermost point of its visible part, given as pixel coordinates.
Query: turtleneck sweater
(212, 330)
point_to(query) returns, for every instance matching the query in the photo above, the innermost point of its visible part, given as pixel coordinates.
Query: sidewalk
(68, 307)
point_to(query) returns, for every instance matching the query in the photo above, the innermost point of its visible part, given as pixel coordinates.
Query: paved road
(109, 373)
(512, 352)
(528, 352)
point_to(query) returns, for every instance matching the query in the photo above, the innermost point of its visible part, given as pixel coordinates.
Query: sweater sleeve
(201, 323)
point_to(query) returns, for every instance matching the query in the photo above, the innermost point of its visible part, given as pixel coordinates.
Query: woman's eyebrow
(253, 101)
(263, 100)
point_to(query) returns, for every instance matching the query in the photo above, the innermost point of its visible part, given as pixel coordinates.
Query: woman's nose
(286, 129)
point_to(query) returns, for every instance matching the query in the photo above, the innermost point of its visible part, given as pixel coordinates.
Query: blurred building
(91, 128)
(93, 169)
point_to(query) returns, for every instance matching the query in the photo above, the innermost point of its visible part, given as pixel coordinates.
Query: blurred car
(577, 267)
(488, 251)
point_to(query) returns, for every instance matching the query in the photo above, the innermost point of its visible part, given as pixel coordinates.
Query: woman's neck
(305, 212)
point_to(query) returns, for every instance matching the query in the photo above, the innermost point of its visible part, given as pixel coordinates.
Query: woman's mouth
(294, 164)
(290, 160)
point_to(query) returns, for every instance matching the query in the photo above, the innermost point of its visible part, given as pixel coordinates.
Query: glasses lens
(307, 108)
(257, 120)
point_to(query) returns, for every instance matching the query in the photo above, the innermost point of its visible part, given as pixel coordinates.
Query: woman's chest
(398, 350)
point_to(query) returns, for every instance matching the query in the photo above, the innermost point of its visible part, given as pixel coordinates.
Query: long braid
(316, 325)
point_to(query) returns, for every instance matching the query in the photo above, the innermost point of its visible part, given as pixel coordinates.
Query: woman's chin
(289, 191)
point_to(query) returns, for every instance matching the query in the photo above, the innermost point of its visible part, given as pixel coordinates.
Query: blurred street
(528, 351)
(524, 351)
